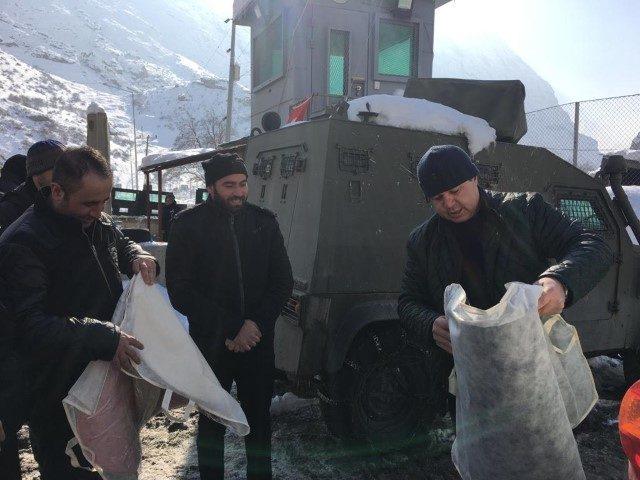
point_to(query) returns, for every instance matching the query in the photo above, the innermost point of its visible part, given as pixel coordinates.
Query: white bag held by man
(107, 407)
(511, 419)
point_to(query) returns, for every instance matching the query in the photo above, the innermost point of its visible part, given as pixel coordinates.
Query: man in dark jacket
(169, 211)
(13, 173)
(41, 157)
(228, 272)
(60, 268)
(483, 240)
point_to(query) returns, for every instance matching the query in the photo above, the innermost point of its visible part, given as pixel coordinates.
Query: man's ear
(57, 193)
(211, 189)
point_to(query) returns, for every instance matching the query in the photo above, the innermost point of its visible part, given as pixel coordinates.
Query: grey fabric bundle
(511, 418)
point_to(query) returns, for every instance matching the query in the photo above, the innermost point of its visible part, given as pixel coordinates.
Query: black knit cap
(15, 166)
(221, 165)
(444, 167)
(42, 156)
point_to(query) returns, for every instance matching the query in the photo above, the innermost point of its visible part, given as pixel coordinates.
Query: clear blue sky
(584, 48)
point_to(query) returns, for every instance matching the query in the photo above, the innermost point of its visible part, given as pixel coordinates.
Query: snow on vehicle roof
(419, 114)
(159, 158)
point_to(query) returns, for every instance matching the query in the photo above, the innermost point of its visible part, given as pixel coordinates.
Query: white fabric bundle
(107, 407)
(511, 418)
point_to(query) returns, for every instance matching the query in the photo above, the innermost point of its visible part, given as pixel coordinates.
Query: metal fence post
(576, 133)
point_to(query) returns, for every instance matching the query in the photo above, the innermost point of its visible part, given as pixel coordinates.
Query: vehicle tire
(381, 396)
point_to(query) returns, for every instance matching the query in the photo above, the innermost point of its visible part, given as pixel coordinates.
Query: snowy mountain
(487, 57)
(57, 56)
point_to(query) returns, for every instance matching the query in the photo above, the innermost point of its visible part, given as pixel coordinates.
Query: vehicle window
(396, 45)
(128, 196)
(584, 212)
(153, 197)
(268, 53)
(338, 62)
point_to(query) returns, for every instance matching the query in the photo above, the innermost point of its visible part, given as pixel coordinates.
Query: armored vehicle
(347, 198)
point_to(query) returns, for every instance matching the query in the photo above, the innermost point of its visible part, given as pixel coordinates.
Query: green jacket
(521, 233)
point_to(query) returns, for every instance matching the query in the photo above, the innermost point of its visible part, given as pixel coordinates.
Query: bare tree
(207, 131)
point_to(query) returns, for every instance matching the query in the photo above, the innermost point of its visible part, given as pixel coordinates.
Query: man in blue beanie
(41, 157)
(483, 240)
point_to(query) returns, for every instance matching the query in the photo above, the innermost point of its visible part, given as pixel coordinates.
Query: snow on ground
(303, 449)
(419, 114)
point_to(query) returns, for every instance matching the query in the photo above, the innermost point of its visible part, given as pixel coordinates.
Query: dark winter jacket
(15, 202)
(12, 388)
(520, 233)
(222, 269)
(62, 285)
(169, 212)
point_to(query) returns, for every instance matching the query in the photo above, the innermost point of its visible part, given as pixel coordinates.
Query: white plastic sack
(511, 421)
(573, 373)
(107, 407)
(171, 360)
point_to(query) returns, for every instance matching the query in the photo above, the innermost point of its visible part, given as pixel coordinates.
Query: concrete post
(98, 134)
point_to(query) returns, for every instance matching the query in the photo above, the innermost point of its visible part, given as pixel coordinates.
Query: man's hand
(247, 338)
(553, 297)
(2, 436)
(441, 334)
(146, 266)
(127, 351)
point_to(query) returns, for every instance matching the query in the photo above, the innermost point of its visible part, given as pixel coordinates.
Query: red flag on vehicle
(300, 111)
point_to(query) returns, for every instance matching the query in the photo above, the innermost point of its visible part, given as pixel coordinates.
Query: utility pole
(135, 137)
(232, 76)
(146, 150)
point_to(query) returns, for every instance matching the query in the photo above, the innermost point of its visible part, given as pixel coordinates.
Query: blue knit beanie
(444, 167)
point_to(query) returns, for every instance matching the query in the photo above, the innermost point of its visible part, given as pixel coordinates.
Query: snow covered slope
(57, 56)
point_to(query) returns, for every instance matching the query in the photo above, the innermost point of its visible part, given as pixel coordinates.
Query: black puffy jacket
(62, 286)
(520, 233)
(15, 202)
(222, 269)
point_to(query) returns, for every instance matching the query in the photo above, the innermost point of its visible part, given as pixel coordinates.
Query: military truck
(346, 197)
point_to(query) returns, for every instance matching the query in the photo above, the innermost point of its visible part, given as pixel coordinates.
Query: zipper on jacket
(95, 255)
(238, 263)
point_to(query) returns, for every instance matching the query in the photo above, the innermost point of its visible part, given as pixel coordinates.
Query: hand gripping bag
(511, 420)
(107, 407)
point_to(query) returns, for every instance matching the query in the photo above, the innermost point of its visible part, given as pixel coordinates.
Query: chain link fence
(582, 132)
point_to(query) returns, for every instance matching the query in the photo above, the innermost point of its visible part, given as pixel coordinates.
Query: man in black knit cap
(227, 270)
(483, 240)
(41, 158)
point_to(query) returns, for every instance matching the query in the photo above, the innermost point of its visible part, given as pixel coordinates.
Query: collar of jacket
(42, 206)
(488, 205)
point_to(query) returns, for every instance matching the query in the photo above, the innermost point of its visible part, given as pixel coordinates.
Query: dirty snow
(303, 449)
(419, 114)
(160, 158)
